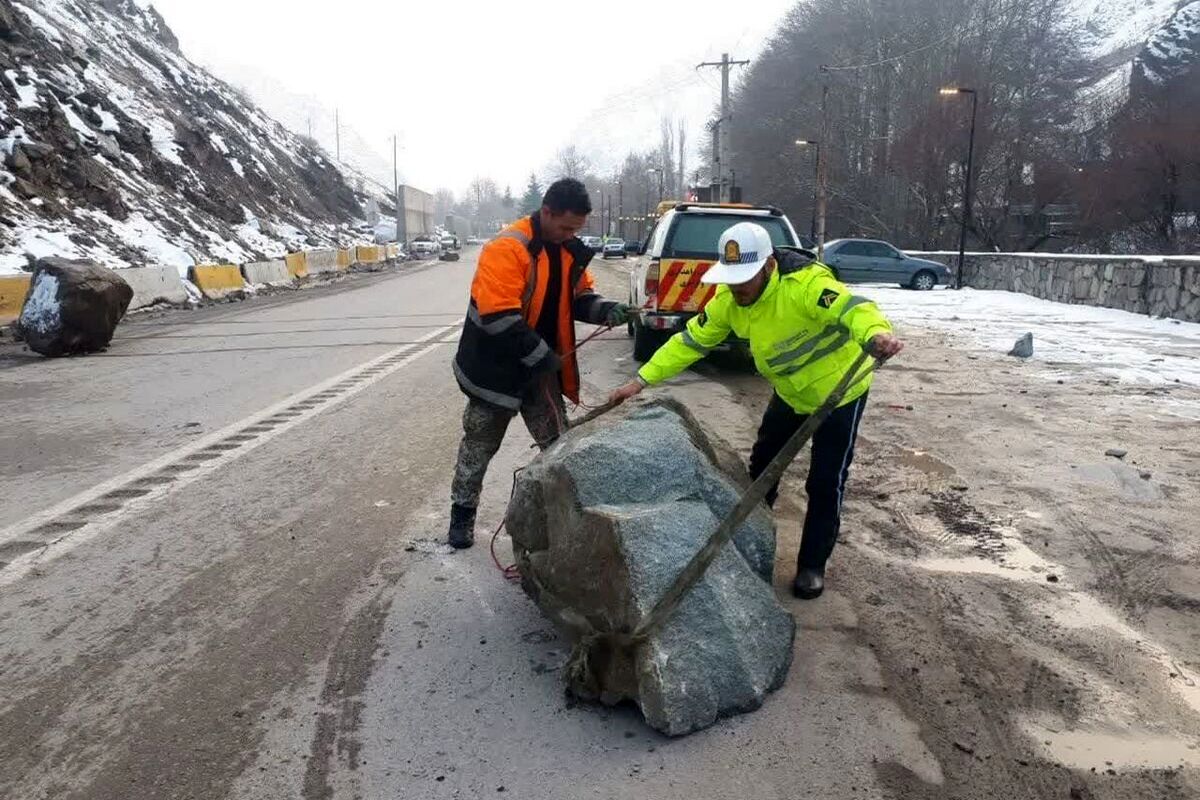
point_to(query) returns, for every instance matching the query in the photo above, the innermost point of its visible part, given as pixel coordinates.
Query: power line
(891, 59)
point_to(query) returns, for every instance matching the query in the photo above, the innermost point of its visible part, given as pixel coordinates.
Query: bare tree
(570, 163)
(681, 164)
(443, 203)
(894, 146)
(666, 156)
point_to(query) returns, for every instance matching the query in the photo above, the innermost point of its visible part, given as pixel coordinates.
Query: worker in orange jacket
(517, 347)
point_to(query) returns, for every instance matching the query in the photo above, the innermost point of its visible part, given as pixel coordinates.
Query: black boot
(809, 582)
(462, 527)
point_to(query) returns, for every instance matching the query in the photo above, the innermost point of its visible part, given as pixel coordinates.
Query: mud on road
(1031, 601)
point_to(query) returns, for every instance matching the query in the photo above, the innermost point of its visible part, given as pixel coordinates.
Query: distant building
(415, 216)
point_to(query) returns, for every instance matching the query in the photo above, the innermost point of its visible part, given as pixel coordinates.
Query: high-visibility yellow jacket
(805, 331)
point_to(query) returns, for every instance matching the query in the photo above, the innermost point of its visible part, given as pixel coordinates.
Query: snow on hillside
(1114, 30)
(114, 146)
(1174, 49)
(306, 115)
(1115, 34)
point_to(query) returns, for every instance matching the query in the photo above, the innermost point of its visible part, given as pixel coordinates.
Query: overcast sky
(481, 88)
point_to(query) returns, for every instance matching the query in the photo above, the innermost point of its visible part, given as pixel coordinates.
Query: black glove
(618, 314)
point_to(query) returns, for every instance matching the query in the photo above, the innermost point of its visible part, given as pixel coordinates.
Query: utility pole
(812, 229)
(337, 134)
(822, 170)
(966, 201)
(723, 133)
(620, 209)
(646, 214)
(714, 127)
(396, 184)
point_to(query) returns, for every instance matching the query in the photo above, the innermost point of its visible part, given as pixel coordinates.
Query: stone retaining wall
(1161, 286)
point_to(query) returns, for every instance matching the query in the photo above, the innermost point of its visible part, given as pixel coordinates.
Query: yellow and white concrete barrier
(13, 289)
(218, 280)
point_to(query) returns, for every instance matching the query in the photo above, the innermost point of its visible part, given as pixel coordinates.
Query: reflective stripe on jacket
(805, 331)
(500, 351)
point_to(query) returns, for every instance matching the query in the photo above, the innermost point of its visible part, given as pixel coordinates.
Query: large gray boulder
(604, 520)
(72, 307)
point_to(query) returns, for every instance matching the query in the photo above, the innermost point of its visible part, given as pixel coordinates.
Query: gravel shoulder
(1031, 600)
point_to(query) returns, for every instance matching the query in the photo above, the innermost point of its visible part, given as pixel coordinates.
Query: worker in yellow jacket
(805, 330)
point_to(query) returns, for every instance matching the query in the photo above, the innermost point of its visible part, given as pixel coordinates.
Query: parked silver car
(873, 261)
(614, 248)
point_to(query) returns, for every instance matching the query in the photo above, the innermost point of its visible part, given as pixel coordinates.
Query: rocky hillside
(114, 146)
(1172, 55)
(1117, 37)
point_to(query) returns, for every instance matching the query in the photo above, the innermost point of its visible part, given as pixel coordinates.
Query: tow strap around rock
(594, 645)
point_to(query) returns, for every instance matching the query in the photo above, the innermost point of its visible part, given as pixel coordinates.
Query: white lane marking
(380, 368)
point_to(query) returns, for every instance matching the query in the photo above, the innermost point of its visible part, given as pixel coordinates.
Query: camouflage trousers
(484, 426)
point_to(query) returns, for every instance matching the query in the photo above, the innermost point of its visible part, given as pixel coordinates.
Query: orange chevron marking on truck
(680, 289)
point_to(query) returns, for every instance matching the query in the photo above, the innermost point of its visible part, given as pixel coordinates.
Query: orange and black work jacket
(500, 351)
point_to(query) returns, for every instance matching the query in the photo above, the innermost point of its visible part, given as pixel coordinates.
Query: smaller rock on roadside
(1116, 452)
(1023, 347)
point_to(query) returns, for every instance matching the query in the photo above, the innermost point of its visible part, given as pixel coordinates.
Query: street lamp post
(816, 181)
(660, 181)
(966, 215)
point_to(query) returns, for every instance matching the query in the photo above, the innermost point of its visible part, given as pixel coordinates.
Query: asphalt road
(222, 578)
(279, 620)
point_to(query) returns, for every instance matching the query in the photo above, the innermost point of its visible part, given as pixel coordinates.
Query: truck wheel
(645, 342)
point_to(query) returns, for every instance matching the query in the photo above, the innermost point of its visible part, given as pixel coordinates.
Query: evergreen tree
(531, 201)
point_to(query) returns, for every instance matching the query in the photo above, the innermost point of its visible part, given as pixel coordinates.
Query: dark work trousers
(832, 451)
(484, 426)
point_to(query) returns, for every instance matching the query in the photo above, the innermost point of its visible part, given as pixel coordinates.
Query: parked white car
(425, 246)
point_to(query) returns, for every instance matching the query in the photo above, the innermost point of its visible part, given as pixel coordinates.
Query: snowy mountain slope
(1114, 30)
(306, 115)
(1173, 51)
(114, 146)
(1116, 34)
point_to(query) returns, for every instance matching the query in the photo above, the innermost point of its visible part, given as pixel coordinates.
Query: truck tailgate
(679, 287)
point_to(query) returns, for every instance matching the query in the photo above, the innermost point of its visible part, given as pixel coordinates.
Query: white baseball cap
(744, 248)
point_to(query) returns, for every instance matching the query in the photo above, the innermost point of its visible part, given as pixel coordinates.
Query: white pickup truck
(665, 283)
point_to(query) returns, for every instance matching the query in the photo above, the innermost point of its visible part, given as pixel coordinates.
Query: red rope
(511, 573)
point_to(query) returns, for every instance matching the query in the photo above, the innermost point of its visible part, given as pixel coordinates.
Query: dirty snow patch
(41, 23)
(143, 234)
(41, 243)
(76, 122)
(108, 122)
(27, 94)
(1131, 348)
